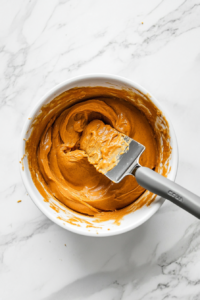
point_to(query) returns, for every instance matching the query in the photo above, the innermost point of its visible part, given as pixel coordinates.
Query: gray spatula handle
(159, 185)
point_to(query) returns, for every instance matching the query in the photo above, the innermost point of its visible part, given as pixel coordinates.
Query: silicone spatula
(128, 164)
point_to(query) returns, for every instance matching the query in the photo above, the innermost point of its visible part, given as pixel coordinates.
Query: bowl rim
(40, 103)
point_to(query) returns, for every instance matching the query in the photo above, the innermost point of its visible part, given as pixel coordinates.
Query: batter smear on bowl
(79, 117)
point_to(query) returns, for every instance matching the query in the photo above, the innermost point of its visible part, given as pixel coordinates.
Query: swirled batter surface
(65, 168)
(58, 142)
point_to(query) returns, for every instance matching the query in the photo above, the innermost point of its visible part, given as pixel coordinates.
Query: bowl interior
(69, 219)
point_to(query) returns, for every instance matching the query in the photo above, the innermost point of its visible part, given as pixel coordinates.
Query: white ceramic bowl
(131, 220)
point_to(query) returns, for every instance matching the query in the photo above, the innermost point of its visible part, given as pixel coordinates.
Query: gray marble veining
(157, 44)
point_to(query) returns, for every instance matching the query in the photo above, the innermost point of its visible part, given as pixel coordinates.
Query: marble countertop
(157, 44)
